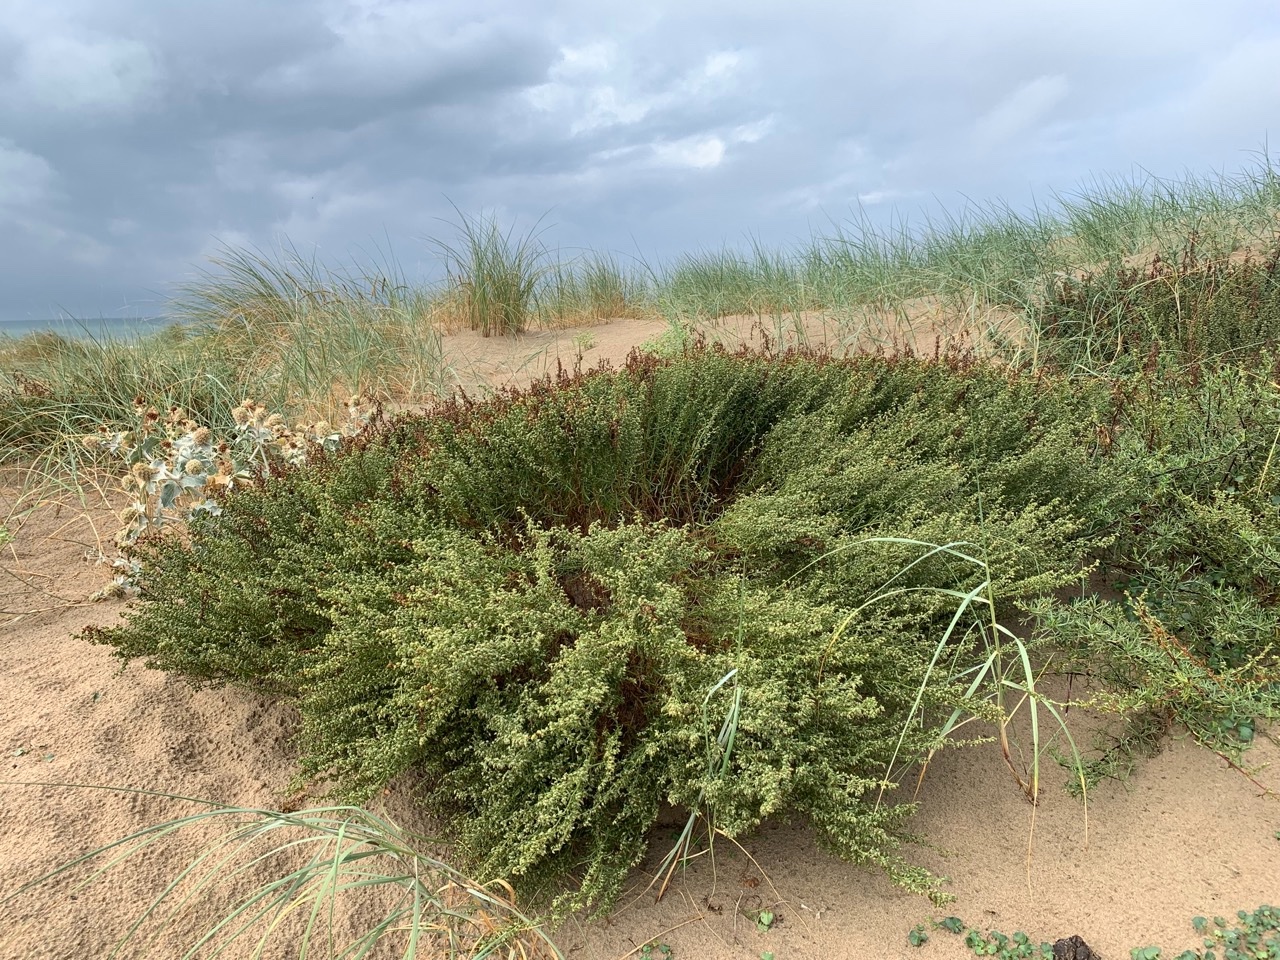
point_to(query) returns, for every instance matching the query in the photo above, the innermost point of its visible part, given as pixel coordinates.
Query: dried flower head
(241, 415)
(91, 442)
(193, 467)
(202, 435)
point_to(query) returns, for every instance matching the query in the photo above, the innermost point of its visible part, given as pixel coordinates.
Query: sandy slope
(1186, 835)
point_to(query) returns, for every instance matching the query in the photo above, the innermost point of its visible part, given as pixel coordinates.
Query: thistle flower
(201, 435)
(241, 414)
(193, 467)
(91, 442)
(142, 474)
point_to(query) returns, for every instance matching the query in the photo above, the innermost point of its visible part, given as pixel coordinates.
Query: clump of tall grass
(761, 281)
(313, 336)
(589, 289)
(493, 276)
(981, 256)
(54, 388)
(422, 907)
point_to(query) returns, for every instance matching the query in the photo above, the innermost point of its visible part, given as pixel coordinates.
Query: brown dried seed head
(202, 435)
(193, 468)
(241, 415)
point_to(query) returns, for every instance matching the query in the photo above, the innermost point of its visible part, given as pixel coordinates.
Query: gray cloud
(136, 134)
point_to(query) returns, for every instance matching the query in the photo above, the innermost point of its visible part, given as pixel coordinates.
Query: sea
(86, 328)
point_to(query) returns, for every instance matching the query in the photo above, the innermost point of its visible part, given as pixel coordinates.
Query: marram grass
(341, 856)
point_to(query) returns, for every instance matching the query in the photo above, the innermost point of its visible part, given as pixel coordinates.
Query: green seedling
(764, 921)
(1005, 947)
(917, 937)
(1253, 936)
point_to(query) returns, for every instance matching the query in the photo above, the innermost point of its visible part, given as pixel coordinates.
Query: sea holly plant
(176, 465)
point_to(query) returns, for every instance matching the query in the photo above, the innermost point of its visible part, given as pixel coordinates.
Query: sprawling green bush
(1197, 638)
(534, 602)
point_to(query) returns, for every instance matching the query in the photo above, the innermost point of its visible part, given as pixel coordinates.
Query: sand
(1185, 835)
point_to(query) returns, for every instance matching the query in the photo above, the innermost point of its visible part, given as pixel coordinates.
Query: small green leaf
(956, 925)
(917, 937)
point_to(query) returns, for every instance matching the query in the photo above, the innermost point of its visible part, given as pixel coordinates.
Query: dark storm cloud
(136, 134)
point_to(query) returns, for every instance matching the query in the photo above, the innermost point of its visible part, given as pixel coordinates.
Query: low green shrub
(1197, 637)
(545, 603)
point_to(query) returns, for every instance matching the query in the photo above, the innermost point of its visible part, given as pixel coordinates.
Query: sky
(139, 137)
